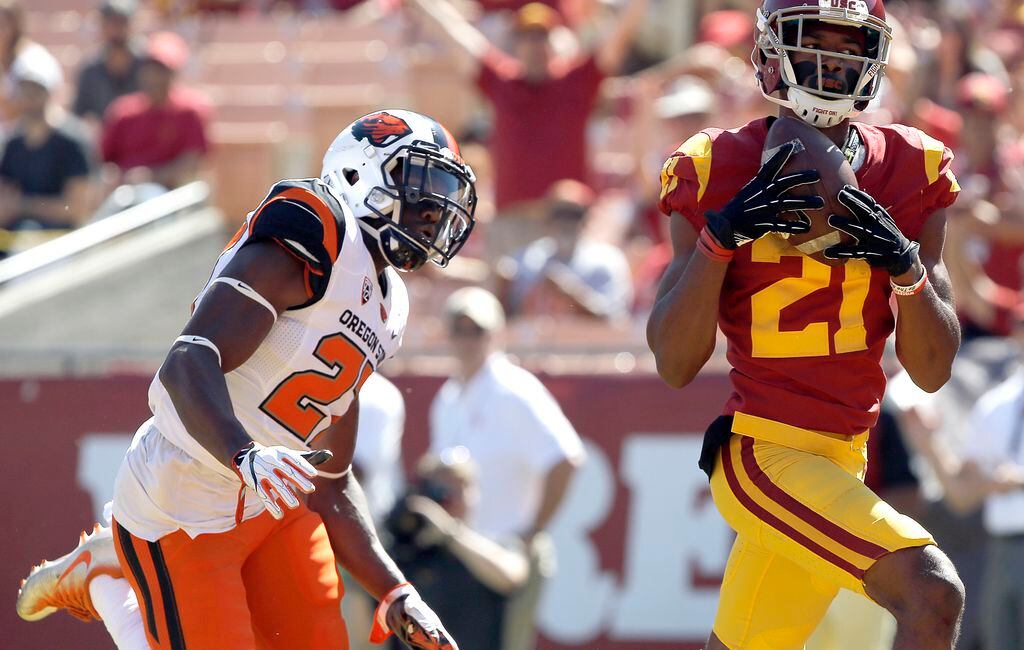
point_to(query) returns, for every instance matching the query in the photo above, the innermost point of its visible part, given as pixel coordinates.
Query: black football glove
(879, 240)
(756, 209)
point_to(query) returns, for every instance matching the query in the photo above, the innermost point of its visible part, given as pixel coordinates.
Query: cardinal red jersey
(806, 339)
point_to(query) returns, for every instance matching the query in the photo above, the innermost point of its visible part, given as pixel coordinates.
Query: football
(814, 151)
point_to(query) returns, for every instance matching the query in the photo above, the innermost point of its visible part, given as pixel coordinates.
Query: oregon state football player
(212, 525)
(787, 457)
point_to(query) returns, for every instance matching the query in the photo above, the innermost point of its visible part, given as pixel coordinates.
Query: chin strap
(819, 112)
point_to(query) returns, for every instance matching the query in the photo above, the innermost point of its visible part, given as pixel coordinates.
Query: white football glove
(403, 612)
(273, 473)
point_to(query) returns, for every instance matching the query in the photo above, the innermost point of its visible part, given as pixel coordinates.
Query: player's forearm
(195, 383)
(342, 506)
(681, 329)
(927, 332)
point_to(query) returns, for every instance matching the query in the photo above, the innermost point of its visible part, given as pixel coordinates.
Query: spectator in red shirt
(157, 135)
(541, 101)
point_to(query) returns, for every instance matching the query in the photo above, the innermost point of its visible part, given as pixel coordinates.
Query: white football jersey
(303, 375)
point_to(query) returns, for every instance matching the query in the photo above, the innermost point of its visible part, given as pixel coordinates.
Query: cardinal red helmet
(780, 30)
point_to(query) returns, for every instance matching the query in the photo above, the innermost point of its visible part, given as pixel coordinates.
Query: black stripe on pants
(140, 578)
(163, 577)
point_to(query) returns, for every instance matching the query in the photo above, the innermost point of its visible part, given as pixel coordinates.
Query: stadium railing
(174, 202)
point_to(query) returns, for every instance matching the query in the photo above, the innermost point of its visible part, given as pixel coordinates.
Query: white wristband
(333, 475)
(380, 630)
(199, 340)
(911, 290)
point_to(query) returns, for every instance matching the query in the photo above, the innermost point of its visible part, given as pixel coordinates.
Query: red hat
(983, 92)
(726, 28)
(167, 49)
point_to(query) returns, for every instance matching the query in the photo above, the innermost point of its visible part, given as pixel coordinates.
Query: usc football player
(787, 457)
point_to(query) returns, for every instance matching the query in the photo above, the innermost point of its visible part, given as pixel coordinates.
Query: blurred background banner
(640, 547)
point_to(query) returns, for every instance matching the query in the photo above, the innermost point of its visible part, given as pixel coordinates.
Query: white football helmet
(393, 163)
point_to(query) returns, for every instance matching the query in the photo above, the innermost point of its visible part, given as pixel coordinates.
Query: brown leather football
(814, 151)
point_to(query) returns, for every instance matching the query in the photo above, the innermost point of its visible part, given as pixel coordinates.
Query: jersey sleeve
(684, 179)
(299, 219)
(942, 188)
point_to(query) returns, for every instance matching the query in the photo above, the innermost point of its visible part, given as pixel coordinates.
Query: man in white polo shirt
(987, 472)
(525, 448)
(992, 472)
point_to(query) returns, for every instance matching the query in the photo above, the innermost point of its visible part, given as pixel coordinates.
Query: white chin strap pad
(816, 111)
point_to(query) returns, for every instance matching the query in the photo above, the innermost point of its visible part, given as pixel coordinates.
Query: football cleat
(64, 583)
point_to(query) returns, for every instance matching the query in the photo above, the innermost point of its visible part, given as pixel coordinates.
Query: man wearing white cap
(525, 447)
(44, 169)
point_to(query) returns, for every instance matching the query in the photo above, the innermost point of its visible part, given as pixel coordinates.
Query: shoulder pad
(307, 221)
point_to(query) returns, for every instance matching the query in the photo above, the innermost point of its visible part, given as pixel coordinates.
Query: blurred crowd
(70, 145)
(567, 110)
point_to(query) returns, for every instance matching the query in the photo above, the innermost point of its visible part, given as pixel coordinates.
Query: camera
(403, 525)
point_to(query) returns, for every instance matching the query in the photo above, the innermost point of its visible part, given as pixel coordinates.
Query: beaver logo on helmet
(381, 129)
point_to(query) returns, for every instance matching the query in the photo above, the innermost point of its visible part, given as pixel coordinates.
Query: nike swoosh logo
(85, 557)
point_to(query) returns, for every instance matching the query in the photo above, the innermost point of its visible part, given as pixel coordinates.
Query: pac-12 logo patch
(381, 129)
(367, 290)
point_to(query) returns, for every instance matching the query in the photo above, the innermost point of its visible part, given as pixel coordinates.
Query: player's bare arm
(229, 323)
(340, 502)
(681, 328)
(927, 329)
(236, 324)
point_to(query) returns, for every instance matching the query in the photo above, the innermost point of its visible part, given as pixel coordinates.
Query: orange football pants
(265, 584)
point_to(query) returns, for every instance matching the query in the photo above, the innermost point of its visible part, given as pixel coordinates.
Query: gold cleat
(64, 583)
